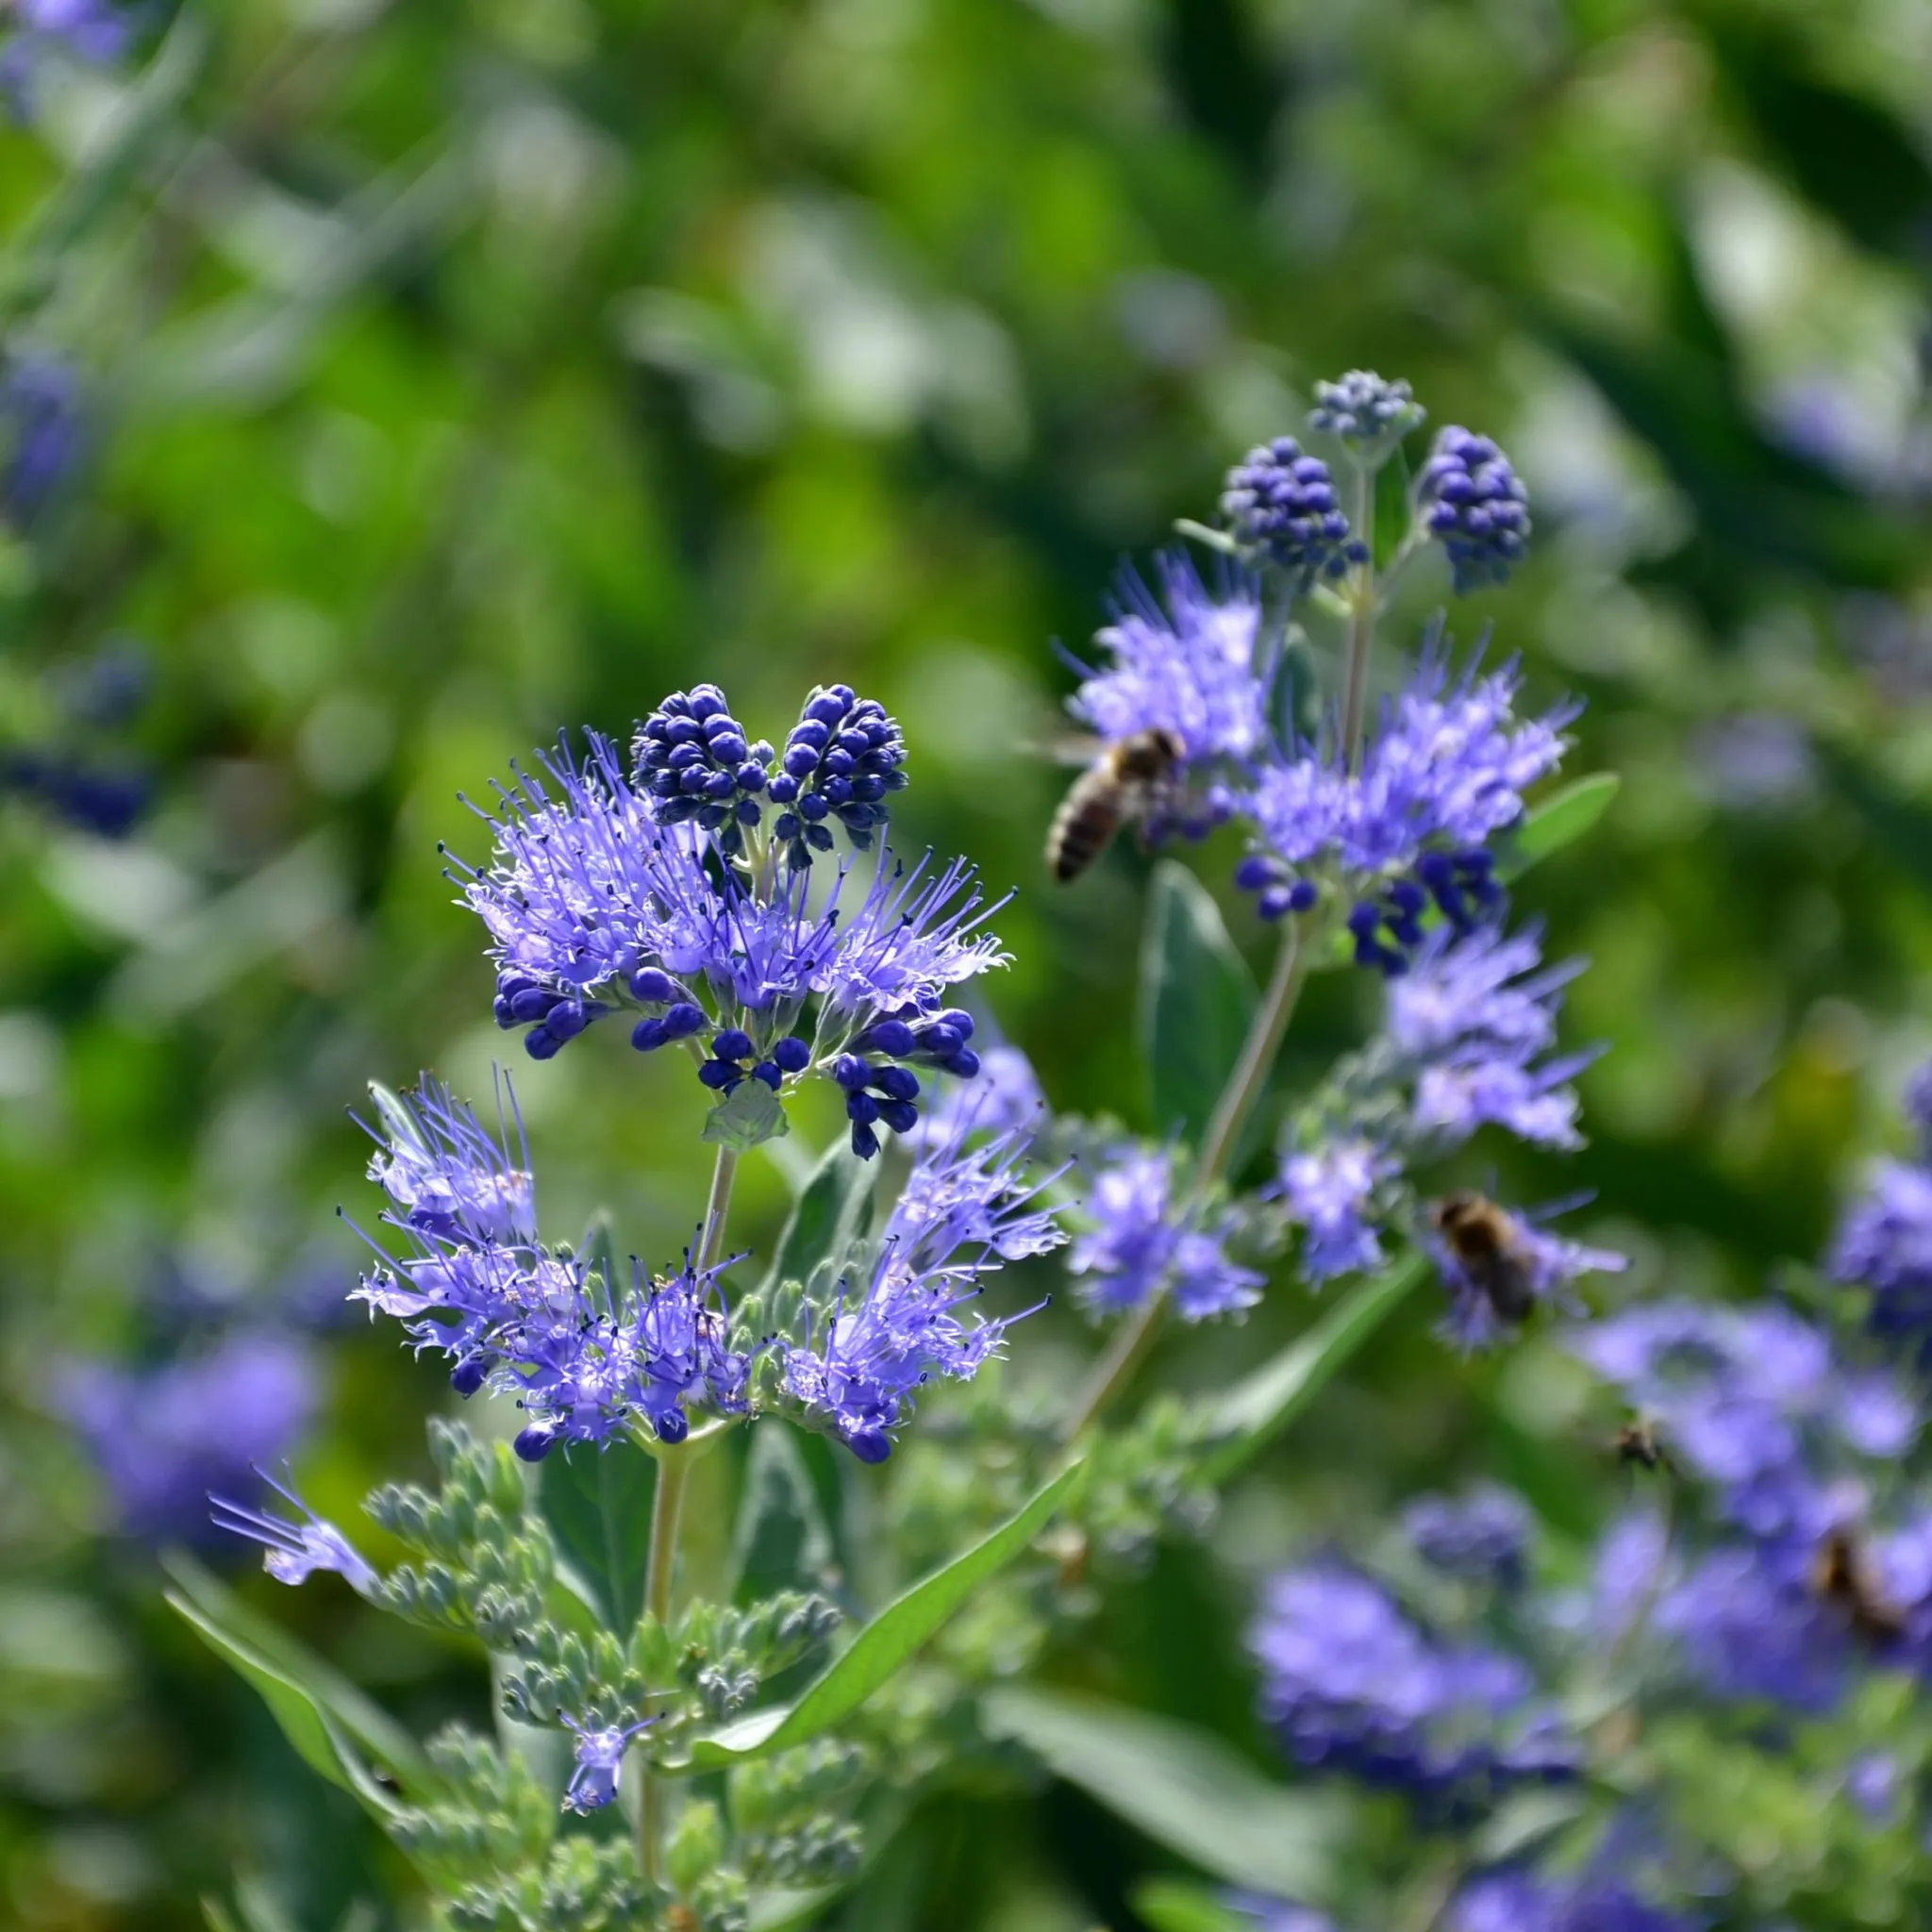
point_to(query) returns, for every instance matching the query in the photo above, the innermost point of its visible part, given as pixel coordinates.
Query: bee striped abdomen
(1084, 826)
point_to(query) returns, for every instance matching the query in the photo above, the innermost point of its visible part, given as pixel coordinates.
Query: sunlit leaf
(828, 1217)
(597, 1502)
(1196, 999)
(1173, 1905)
(781, 1540)
(1555, 822)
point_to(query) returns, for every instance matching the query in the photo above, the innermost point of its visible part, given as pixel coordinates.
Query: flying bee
(1841, 1576)
(1637, 1443)
(1131, 782)
(1488, 1247)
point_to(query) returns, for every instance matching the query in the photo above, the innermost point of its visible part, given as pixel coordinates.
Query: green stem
(667, 1512)
(718, 1209)
(1135, 1337)
(1361, 619)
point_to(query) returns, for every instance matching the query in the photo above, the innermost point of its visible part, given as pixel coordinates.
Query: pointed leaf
(1394, 512)
(890, 1640)
(1173, 1905)
(597, 1503)
(1196, 999)
(217, 1607)
(1183, 1787)
(781, 1540)
(790, 1912)
(1259, 1407)
(1556, 822)
(827, 1218)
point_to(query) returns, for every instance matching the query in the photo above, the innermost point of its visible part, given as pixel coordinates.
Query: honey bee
(1487, 1246)
(1128, 784)
(1841, 1576)
(1637, 1442)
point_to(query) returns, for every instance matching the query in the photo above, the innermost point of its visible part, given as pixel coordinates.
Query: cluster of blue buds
(844, 756)
(1463, 887)
(554, 1018)
(693, 759)
(1282, 503)
(886, 1094)
(1279, 891)
(732, 1048)
(1473, 503)
(1365, 410)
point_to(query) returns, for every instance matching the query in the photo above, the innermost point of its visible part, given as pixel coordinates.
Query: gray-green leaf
(781, 1540)
(597, 1502)
(749, 1114)
(890, 1640)
(1196, 999)
(828, 1217)
(1558, 821)
(1183, 1787)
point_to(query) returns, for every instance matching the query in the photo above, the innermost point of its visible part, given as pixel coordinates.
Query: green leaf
(1196, 999)
(1523, 1821)
(597, 1503)
(1172, 1905)
(1558, 821)
(890, 1640)
(827, 1218)
(216, 1611)
(781, 1540)
(1183, 1787)
(749, 1115)
(1394, 512)
(1257, 1409)
(322, 1742)
(790, 1912)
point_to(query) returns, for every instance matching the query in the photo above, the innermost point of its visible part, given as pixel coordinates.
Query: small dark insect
(1129, 783)
(1637, 1442)
(1841, 1576)
(1487, 1246)
(386, 1781)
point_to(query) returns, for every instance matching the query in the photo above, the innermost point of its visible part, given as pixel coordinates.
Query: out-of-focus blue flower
(1187, 663)
(106, 800)
(42, 427)
(587, 1359)
(1365, 410)
(1280, 503)
(1444, 771)
(1884, 1245)
(1494, 1284)
(599, 1762)
(163, 1438)
(1481, 1537)
(1276, 1914)
(1473, 503)
(1144, 1238)
(1330, 1191)
(293, 1552)
(964, 1212)
(1006, 1095)
(1515, 1901)
(1872, 1783)
(1352, 1685)
(1751, 1626)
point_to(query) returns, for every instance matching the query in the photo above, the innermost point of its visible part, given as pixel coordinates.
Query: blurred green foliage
(457, 373)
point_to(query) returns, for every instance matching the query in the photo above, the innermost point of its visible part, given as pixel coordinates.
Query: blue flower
(1331, 1192)
(1444, 771)
(587, 1359)
(964, 1212)
(1275, 1914)
(1884, 1245)
(1352, 1685)
(1006, 1095)
(1187, 663)
(294, 1550)
(694, 760)
(1142, 1240)
(1480, 1536)
(96, 31)
(163, 1438)
(1750, 1626)
(41, 415)
(1280, 504)
(1473, 503)
(842, 759)
(599, 1762)
(1594, 1902)
(1365, 410)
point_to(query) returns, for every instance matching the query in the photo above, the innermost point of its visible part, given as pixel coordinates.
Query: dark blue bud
(540, 1044)
(801, 761)
(812, 808)
(940, 1040)
(751, 778)
(505, 1016)
(746, 811)
(829, 707)
(786, 825)
(683, 1020)
(963, 1064)
(1476, 859)
(674, 1425)
(1436, 869)
(647, 1036)
(653, 987)
(900, 1115)
(958, 1018)
(892, 1037)
(534, 1443)
(693, 782)
(784, 789)
(769, 1071)
(1254, 872)
(720, 1075)
(868, 790)
(531, 1004)
(1276, 901)
(1363, 920)
(897, 1083)
(861, 1107)
(729, 748)
(469, 1375)
(1407, 896)
(567, 1019)
(838, 792)
(720, 784)
(1303, 896)
(865, 1143)
(793, 1055)
(732, 1044)
(818, 837)
(851, 1073)
(869, 1446)
(1405, 931)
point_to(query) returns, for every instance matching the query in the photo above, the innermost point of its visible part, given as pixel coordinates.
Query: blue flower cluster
(96, 31)
(594, 906)
(1884, 1242)
(1473, 503)
(1353, 1685)
(1365, 410)
(1594, 1902)
(1280, 503)
(597, 1762)
(1147, 1236)
(587, 1359)
(1481, 1537)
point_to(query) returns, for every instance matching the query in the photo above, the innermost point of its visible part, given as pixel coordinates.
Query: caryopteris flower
(1884, 1242)
(1330, 1191)
(1473, 503)
(1279, 504)
(1515, 1901)
(1144, 1239)
(598, 1762)
(41, 413)
(294, 1550)
(1480, 1536)
(587, 1359)
(693, 758)
(1365, 410)
(964, 1212)
(842, 759)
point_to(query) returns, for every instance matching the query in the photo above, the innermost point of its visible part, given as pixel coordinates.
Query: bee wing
(1070, 749)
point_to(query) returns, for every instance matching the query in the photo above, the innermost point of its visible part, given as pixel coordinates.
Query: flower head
(1005, 1096)
(1884, 1245)
(599, 1762)
(294, 1550)
(1594, 1902)
(1365, 410)
(1144, 1239)
(1473, 503)
(1481, 1536)
(843, 759)
(1330, 1189)
(1186, 662)
(695, 763)
(1280, 504)
(41, 414)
